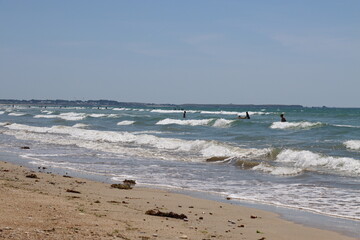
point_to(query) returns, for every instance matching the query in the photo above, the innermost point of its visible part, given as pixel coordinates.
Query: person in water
(184, 114)
(282, 118)
(246, 117)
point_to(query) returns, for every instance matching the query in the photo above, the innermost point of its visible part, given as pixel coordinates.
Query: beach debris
(232, 222)
(253, 217)
(79, 182)
(24, 147)
(127, 184)
(67, 176)
(72, 191)
(263, 238)
(241, 226)
(129, 181)
(184, 237)
(121, 186)
(228, 198)
(156, 212)
(32, 175)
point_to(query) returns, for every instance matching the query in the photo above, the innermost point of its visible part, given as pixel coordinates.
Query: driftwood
(155, 212)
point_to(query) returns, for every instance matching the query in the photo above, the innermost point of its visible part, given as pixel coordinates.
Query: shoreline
(52, 205)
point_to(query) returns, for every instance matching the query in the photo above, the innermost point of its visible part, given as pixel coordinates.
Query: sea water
(311, 162)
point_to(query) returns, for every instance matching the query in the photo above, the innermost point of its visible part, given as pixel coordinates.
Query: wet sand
(42, 205)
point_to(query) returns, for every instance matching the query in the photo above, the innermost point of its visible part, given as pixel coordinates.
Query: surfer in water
(282, 118)
(246, 117)
(184, 114)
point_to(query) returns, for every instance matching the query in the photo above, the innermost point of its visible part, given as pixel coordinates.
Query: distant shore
(42, 205)
(112, 103)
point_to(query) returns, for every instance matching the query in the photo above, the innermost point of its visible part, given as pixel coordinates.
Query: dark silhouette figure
(282, 118)
(184, 114)
(246, 117)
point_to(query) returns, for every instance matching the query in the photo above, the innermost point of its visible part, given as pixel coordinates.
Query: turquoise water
(311, 162)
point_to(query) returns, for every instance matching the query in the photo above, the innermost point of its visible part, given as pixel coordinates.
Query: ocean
(311, 162)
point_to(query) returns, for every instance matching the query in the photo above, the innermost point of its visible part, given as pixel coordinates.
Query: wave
(201, 122)
(97, 115)
(47, 111)
(4, 123)
(314, 161)
(347, 126)
(144, 145)
(121, 109)
(295, 125)
(17, 114)
(2, 112)
(70, 116)
(81, 125)
(353, 144)
(280, 171)
(222, 123)
(123, 123)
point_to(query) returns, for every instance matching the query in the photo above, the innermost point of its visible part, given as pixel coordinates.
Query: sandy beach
(42, 205)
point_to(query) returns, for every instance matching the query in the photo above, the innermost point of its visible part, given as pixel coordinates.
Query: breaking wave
(126, 143)
(17, 114)
(168, 121)
(282, 171)
(295, 125)
(220, 123)
(314, 161)
(123, 123)
(353, 144)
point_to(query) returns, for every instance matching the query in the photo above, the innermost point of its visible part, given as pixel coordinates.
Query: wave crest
(295, 125)
(307, 159)
(353, 144)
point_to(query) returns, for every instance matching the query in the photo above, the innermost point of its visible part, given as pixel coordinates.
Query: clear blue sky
(186, 51)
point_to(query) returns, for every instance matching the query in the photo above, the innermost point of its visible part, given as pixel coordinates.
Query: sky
(185, 51)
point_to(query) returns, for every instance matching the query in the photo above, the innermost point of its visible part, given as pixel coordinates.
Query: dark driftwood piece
(155, 212)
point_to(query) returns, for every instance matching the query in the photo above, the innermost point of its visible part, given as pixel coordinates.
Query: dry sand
(57, 207)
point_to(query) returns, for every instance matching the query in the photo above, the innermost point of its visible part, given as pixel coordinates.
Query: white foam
(97, 115)
(4, 123)
(133, 144)
(47, 111)
(282, 171)
(307, 159)
(16, 114)
(168, 121)
(299, 125)
(124, 123)
(222, 123)
(2, 112)
(46, 116)
(81, 125)
(353, 144)
(348, 126)
(70, 116)
(121, 109)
